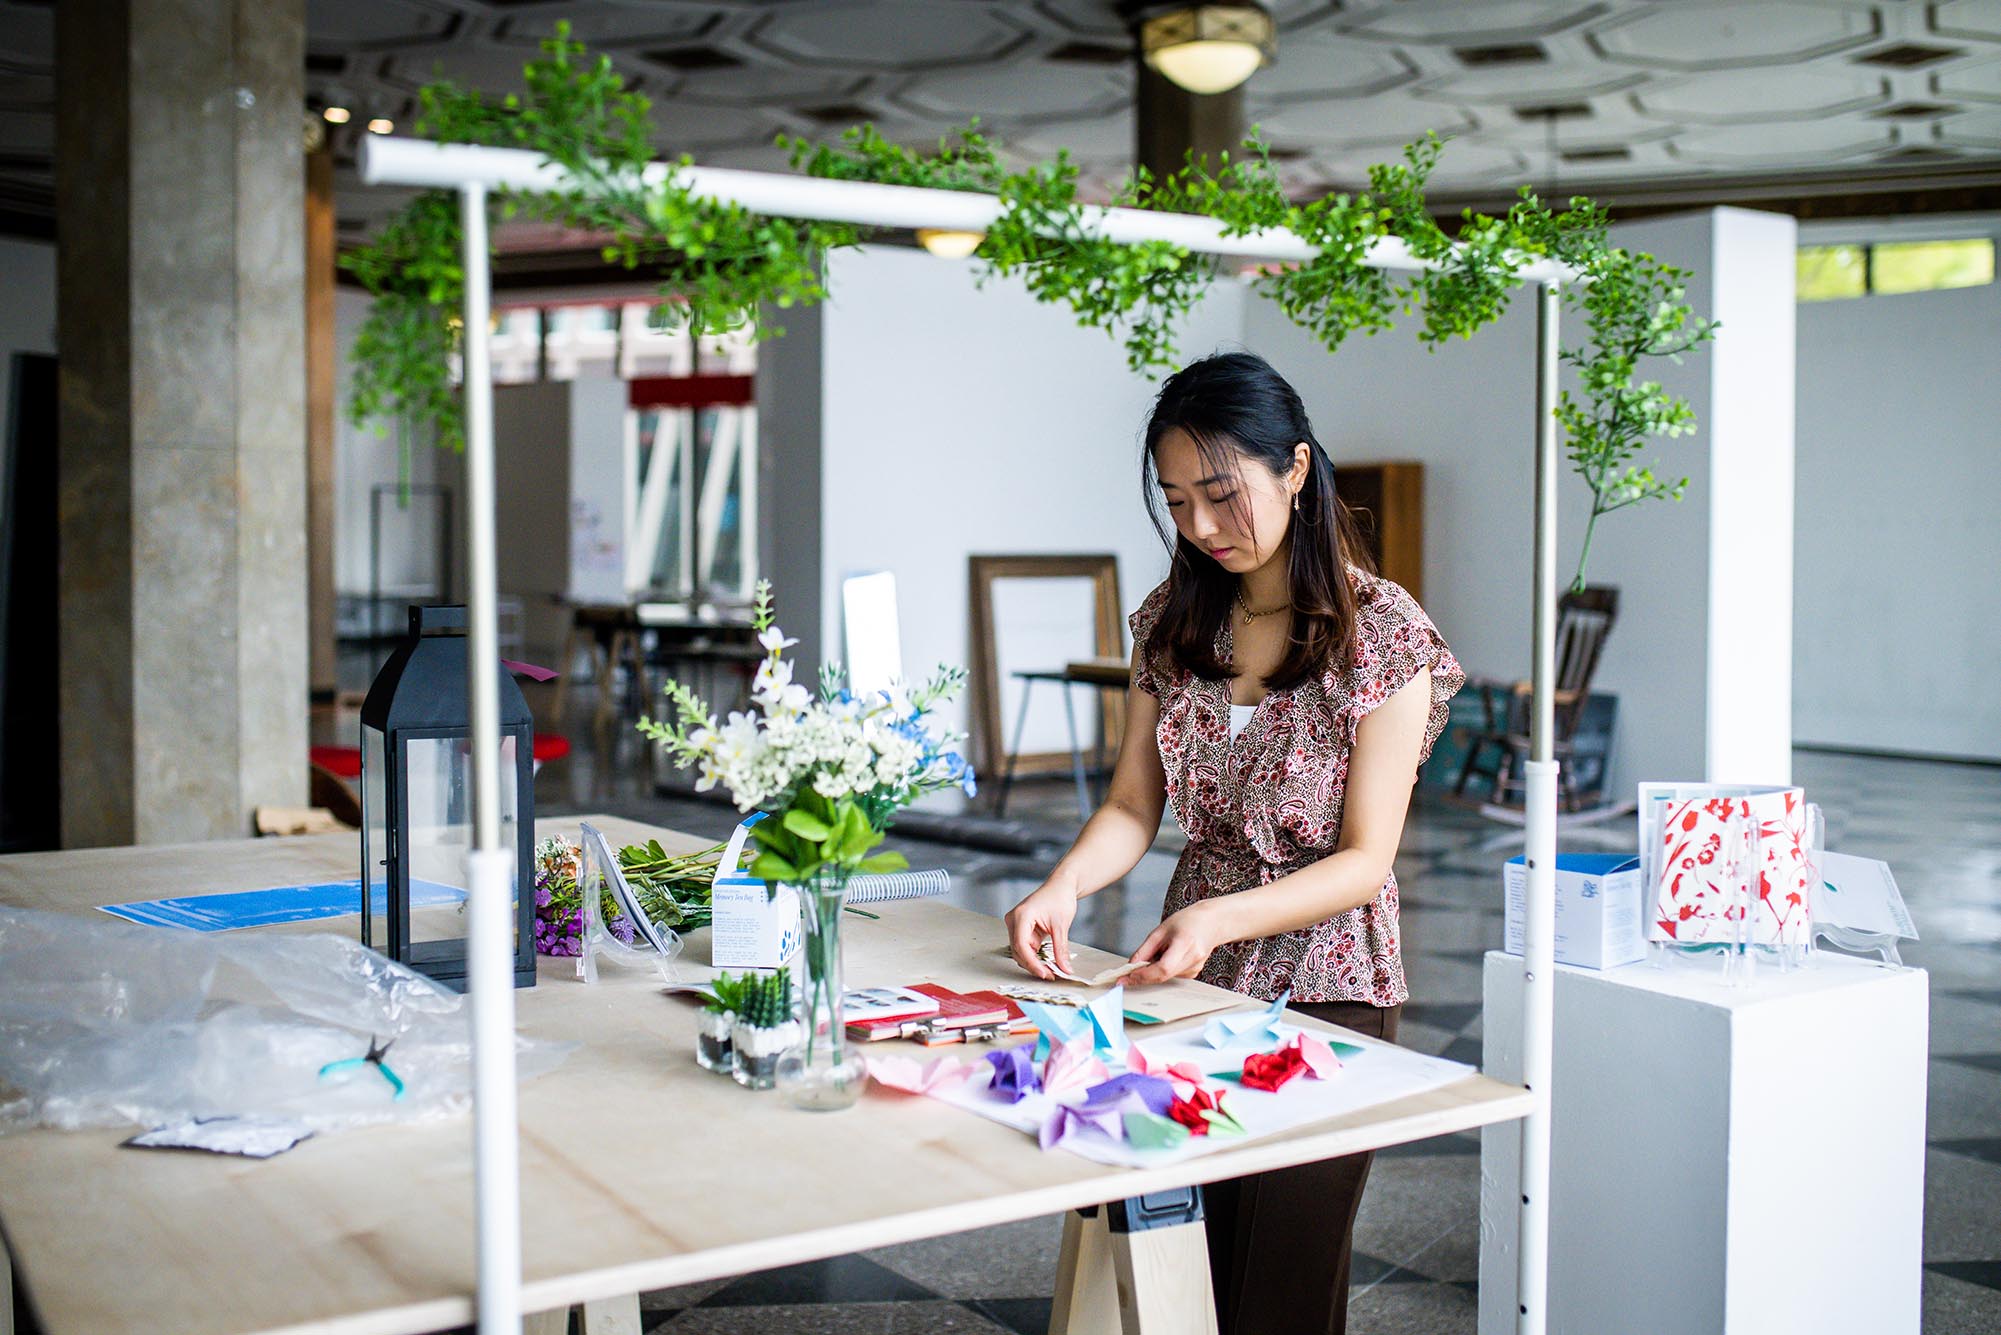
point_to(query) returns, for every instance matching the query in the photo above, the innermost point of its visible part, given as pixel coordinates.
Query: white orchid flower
(773, 675)
(774, 640)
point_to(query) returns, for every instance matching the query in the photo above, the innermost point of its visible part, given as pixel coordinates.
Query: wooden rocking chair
(1584, 619)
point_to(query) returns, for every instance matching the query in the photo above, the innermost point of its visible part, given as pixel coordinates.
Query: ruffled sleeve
(1146, 669)
(1394, 640)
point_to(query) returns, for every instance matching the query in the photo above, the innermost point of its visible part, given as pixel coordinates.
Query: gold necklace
(1249, 615)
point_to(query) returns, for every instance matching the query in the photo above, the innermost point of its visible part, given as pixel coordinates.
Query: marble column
(182, 552)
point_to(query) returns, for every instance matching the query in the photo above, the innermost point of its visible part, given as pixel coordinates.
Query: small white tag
(251, 1137)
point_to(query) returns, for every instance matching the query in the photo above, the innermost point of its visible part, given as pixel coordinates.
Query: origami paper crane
(1072, 1066)
(1107, 1015)
(1222, 1121)
(1304, 1055)
(1155, 1093)
(1015, 1076)
(1192, 1112)
(1065, 1122)
(1139, 1060)
(1058, 1025)
(1270, 1070)
(915, 1077)
(1242, 1028)
(1103, 1019)
(1319, 1055)
(1146, 1131)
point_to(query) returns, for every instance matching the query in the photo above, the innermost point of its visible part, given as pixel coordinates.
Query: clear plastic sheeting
(105, 1023)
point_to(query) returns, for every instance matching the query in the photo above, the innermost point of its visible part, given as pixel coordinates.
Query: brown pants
(1279, 1242)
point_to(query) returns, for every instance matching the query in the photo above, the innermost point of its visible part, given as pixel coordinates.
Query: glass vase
(757, 1051)
(713, 1041)
(823, 1073)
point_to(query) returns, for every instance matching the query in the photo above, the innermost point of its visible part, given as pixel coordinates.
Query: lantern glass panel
(375, 839)
(440, 830)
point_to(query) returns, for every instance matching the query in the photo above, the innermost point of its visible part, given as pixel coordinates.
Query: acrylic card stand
(653, 946)
(1730, 866)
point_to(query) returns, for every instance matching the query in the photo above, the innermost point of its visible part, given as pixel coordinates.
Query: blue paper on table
(1103, 1019)
(281, 904)
(1242, 1027)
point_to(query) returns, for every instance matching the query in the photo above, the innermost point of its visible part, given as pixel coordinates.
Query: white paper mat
(1378, 1074)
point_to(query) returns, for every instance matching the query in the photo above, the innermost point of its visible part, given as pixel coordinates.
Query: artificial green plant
(722, 265)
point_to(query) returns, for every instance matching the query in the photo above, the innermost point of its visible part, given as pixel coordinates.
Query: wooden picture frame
(1388, 500)
(989, 738)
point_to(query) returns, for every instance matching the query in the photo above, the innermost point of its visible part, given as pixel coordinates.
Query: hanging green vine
(721, 265)
(1634, 306)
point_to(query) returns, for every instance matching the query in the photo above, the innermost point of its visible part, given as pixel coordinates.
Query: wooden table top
(638, 1169)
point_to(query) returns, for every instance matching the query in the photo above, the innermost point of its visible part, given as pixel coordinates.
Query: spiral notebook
(866, 888)
(873, 889)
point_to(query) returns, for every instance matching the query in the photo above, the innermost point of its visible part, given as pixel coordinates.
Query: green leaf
(883, 863)
(806, 825)
(771, 867)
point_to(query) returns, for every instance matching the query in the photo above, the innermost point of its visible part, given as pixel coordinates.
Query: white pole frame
(474, 171)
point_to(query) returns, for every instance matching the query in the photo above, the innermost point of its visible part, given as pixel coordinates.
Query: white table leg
(612, 1316)
(1009, 756)
(1076, 756)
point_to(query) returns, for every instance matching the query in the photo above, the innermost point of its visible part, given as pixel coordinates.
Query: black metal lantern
(416, 802)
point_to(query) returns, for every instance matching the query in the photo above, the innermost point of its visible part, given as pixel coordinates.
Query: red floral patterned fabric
(1270, 803)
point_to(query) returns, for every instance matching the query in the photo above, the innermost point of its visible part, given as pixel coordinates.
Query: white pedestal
(1725, 1161)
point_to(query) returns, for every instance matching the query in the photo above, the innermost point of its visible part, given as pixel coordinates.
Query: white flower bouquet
(832, 769)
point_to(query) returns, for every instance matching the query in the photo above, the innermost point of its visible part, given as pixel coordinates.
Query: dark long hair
(1241, 413)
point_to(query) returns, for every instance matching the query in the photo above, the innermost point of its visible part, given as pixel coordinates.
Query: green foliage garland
(722, 265)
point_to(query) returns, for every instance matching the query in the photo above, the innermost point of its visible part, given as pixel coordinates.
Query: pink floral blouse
(1269, 803)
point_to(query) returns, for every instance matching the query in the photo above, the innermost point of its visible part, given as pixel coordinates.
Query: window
(1924, 266)
(1828, 272)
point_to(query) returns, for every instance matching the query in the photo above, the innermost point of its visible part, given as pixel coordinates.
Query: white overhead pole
(384, 160)
(474, 170)
(496, 1131)
(1539, 851)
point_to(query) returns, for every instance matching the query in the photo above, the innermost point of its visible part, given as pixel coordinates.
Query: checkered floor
(1417, 1240)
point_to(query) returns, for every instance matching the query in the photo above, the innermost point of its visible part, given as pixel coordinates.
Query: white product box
(751, 930)
(1598, 909)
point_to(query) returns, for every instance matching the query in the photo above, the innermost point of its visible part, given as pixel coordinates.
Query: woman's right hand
(1045, 915)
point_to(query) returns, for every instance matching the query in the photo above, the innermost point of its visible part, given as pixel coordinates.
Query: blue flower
(969, 783)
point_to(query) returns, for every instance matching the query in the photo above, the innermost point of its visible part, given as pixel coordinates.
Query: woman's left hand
(1180, 946)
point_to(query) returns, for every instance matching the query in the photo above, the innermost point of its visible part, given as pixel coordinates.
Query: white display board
(1378, 1073)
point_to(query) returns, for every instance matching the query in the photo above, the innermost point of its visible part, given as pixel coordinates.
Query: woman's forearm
(1111, 844)
(1339, 882)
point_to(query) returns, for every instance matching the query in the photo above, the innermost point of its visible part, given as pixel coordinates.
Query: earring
(1295, 502)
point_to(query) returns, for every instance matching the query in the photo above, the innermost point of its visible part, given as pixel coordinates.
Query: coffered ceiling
(1625, 98)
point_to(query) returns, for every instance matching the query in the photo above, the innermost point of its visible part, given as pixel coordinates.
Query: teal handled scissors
(373, 1057)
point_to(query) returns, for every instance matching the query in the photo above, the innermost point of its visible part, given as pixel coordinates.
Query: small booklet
(860, 1005)
(951, 1011)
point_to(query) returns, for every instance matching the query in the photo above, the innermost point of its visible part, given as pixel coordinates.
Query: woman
(1283, 697)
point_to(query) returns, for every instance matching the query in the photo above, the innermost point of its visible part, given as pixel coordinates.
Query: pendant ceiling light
(949, 244)
(1209, 48)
